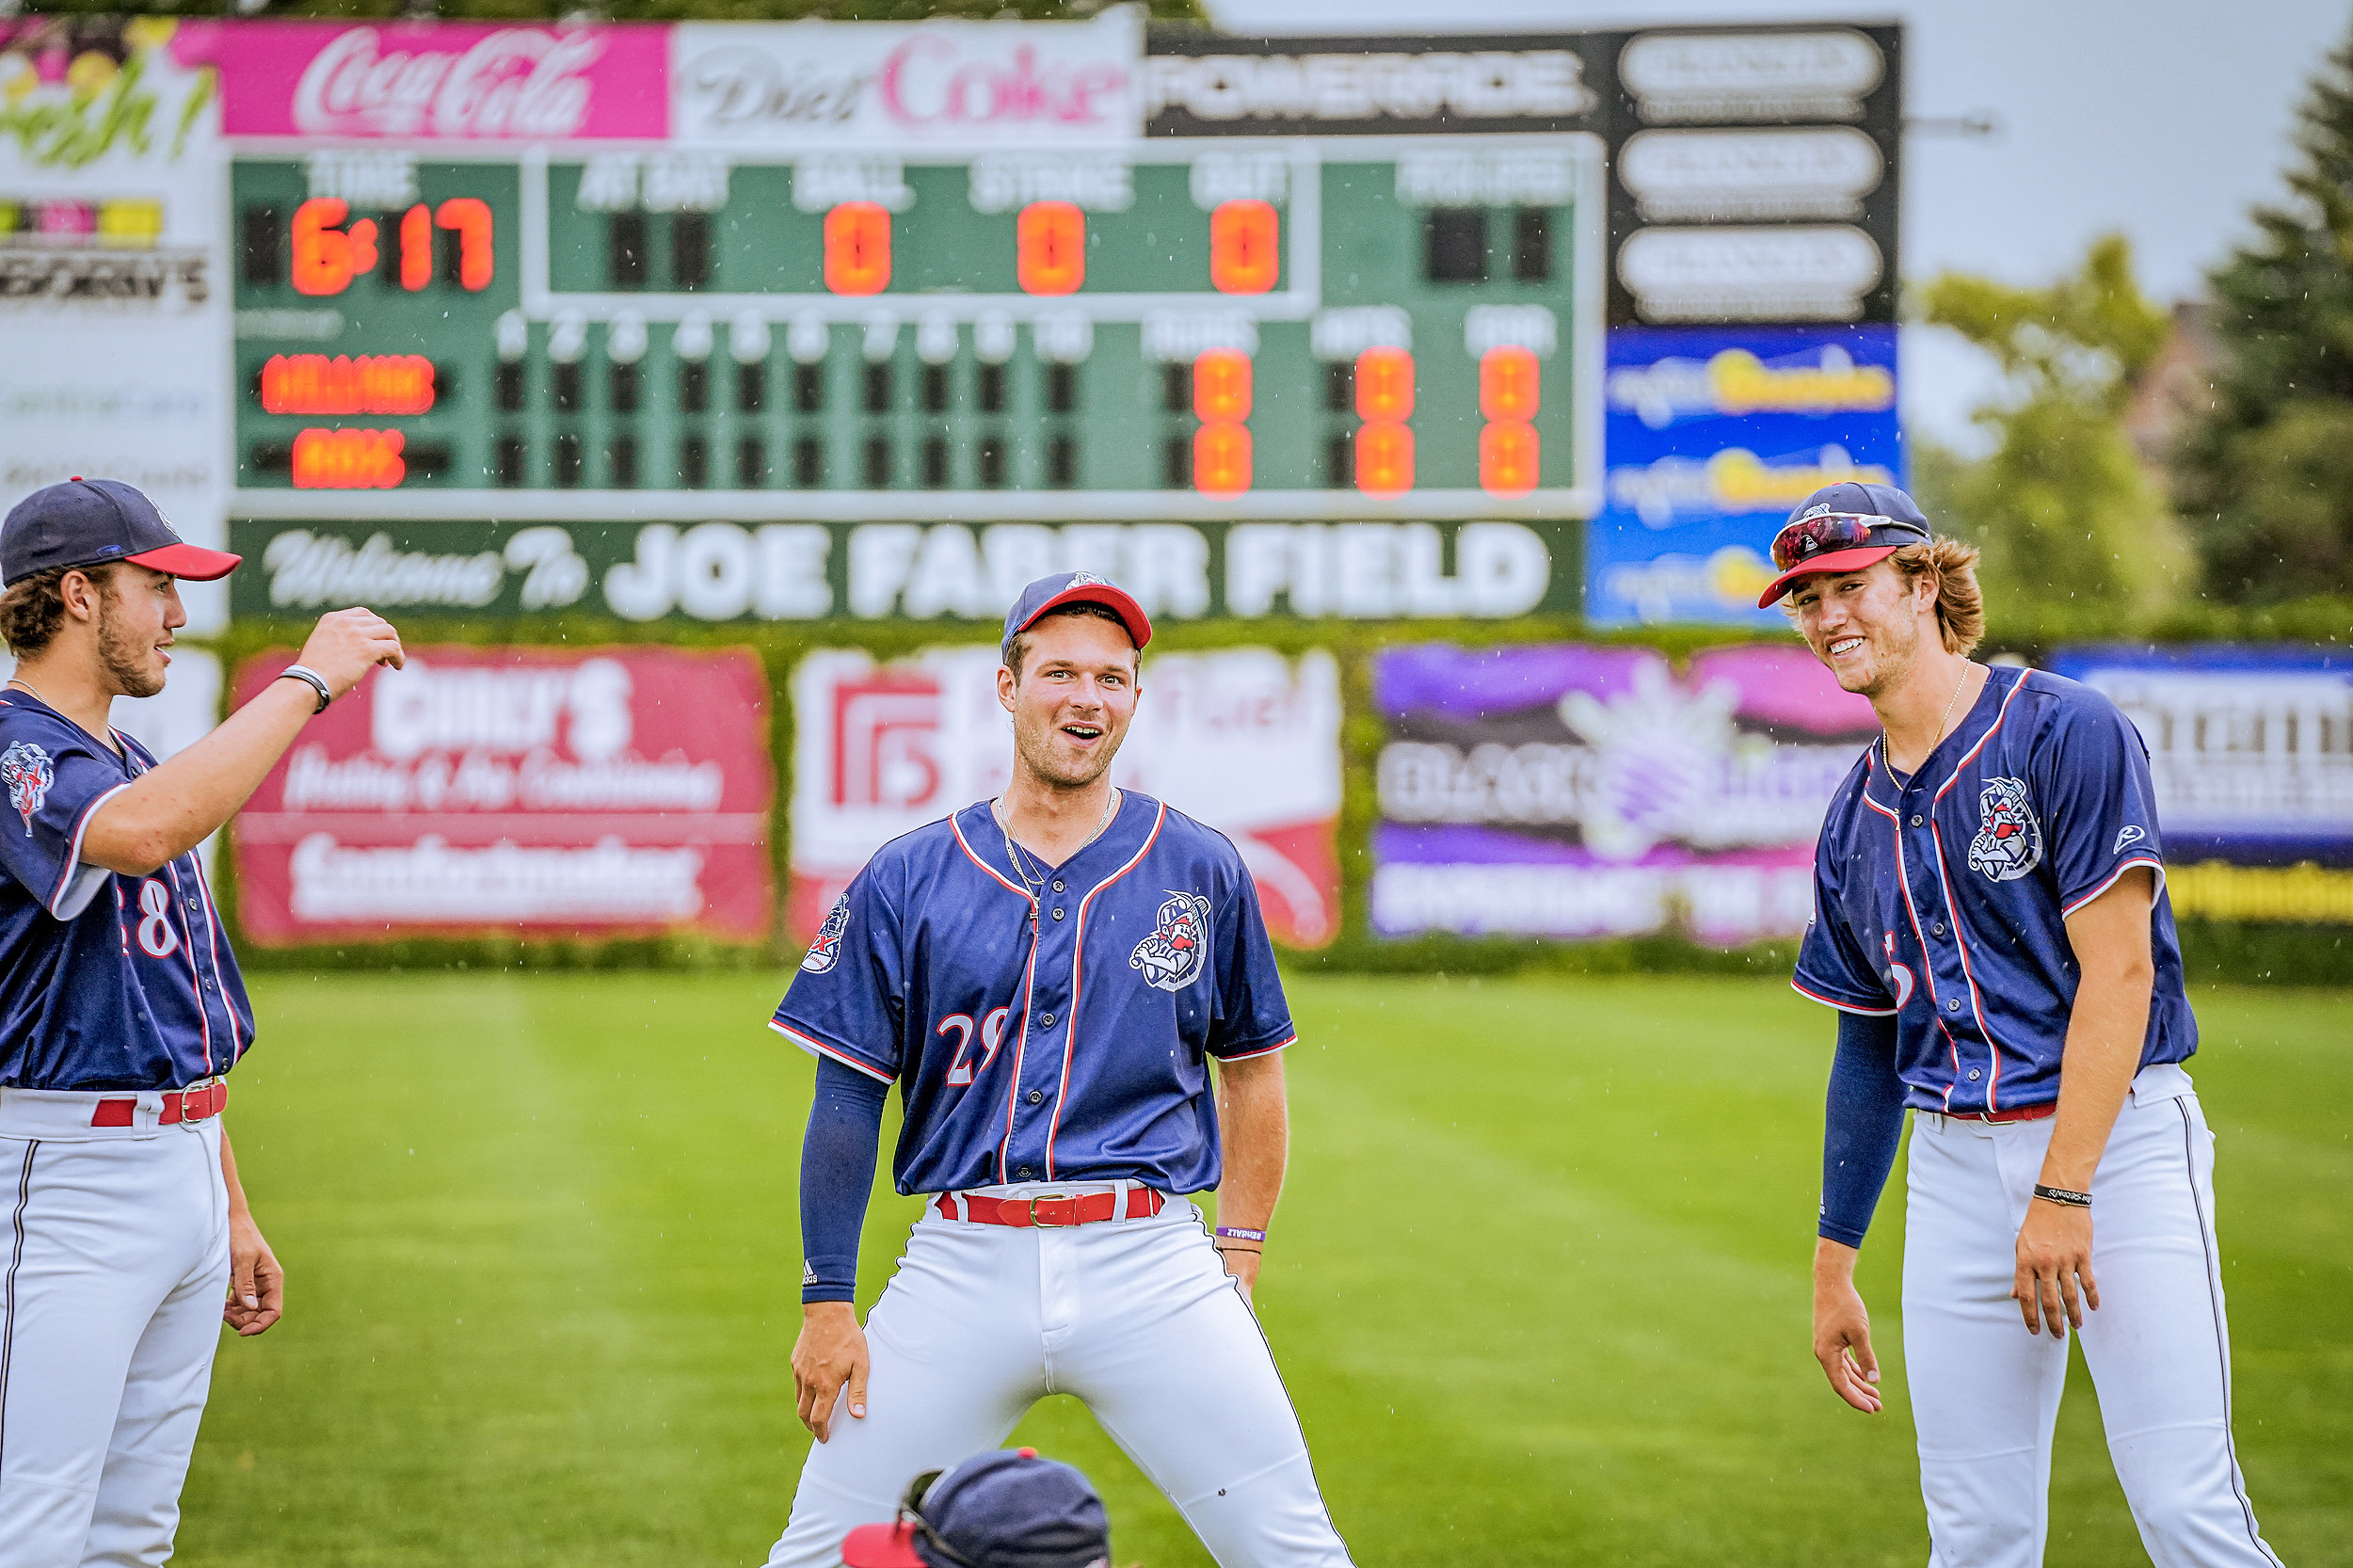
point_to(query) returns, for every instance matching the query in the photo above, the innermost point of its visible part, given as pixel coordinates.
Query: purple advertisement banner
(1584, 793)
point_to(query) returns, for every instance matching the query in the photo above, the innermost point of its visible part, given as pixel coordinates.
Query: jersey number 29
(962, 1071)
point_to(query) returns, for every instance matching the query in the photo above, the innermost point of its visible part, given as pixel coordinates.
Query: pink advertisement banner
(593, 792)
(436, 81)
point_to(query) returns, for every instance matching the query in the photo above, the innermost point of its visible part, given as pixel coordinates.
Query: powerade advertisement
(1578, 791)
(1713, 436)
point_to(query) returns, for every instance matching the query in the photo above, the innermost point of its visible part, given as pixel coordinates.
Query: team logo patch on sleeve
(1173, 956)
(2009, 841)
(29, 772)
(825, 951)
(2126, 836)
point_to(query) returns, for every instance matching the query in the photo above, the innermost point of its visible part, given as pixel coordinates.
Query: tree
(2266, 477)
(2063, 511)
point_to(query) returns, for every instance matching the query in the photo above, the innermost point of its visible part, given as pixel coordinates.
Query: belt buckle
(1037, 1198)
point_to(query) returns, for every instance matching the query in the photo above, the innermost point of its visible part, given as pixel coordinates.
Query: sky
(2166, 120)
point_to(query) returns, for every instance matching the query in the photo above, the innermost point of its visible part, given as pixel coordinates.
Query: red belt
(2019, 1113)
(1050, 1211)
(202, 1103)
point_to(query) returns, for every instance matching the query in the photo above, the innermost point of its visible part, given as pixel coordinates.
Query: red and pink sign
(436, 81)
(511, 791)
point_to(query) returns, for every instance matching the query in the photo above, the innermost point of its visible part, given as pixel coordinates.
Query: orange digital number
(857, 248)
(370, 384)
(1051, 248)
(1384, 384)
(416, 247)
(1221, 385)
(1384, 458)
(1245, 247)
(348, 460)
(1508, 457)
(1510, 383)
(326, 255)
(1220, 459)
(471, 217)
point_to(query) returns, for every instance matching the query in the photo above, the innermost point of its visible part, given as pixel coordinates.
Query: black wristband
(312, 678)
(2061, 1195)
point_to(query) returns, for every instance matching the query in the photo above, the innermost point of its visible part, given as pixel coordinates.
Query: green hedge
(2213, 951)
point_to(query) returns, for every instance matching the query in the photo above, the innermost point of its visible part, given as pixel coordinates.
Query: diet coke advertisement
(1244, 740)
(436, 81)
(517, 791)
(888, 87)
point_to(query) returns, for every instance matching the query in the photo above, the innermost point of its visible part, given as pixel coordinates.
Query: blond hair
(1959, 607)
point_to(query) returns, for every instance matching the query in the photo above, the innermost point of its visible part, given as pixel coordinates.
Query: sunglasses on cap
(1827, 531)
(911, 1512)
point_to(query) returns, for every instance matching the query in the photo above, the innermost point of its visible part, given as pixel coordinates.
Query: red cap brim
(190, 561)
(1837, 560)
(1117, 601)
(881, 1546)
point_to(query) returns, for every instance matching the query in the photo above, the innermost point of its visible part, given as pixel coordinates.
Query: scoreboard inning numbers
(1297, 327)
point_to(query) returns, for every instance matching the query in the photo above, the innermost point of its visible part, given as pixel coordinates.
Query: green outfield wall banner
(718, 569)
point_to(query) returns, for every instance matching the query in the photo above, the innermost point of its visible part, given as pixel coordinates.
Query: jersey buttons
(1058, 884)
(1037, 1097)
(1021, 1175)
(1974, 1075)
(1938, 928)
(1058, 914)
(1953, 1006)
(1915, 818)
(1046, 1020)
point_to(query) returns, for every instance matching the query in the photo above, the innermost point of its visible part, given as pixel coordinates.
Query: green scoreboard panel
(1204, 331)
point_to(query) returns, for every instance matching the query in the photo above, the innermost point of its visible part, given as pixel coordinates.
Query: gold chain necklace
(1022, 867)
(1889, 763)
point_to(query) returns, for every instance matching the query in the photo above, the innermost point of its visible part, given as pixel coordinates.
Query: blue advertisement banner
(1713, 435)
(2250, 748)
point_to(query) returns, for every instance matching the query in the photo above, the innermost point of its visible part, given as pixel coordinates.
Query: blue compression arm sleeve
(1865, 1116)
(836, 1175)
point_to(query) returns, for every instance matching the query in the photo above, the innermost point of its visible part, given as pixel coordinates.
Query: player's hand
(346, 644)
(2055, 1283)
(1841, 1329)
(1242, 1264)
(257, 1286)
(831, 1352)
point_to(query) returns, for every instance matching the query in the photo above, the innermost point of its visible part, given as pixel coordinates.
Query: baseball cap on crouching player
(1842, 527)
(1004, 1509)
(89, 522)
(1077, 587)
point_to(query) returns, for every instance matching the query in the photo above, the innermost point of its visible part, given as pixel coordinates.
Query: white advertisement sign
(114, 280)
(1244, 739)
(894, 88)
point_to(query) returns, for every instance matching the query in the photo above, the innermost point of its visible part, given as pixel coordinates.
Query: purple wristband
(1235, 1233)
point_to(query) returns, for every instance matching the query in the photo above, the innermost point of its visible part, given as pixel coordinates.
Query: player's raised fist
(346, 644)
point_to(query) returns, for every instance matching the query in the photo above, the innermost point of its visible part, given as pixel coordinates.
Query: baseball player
(124, 1235)
(997, 1509)
(1991, 922)
(1048, 976)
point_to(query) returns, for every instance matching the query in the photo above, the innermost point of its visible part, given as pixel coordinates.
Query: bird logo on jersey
(29, 772)
(2009, 841)
(1173, 956)
(825, 950)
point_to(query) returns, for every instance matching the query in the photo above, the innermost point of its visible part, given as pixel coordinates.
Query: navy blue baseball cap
(1842, 527)
(89, 522)
(1003, 1508)
(1077, 587)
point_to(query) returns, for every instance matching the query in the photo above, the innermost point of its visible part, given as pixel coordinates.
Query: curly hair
(1959, 607)
(32, 610)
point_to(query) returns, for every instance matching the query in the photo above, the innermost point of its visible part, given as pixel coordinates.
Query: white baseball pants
(114, 1260)
(1985, 1392)
(1136, 1317)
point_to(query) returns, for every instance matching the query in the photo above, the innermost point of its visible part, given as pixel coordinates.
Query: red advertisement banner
(594, 793)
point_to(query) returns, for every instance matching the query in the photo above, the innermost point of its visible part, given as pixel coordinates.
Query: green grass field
(1539, 1284)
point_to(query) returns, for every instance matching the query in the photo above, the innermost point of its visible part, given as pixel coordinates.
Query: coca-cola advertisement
(1244, 740)
(437, 81)
(511, 791)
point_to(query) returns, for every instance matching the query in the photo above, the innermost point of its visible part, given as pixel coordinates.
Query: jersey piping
(819, 1047)
(1029, 990)
(1952, 909)
(1078, 961)
(74, 867)
(1903, 880)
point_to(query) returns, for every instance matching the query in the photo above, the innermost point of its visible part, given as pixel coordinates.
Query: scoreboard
(1175, 329)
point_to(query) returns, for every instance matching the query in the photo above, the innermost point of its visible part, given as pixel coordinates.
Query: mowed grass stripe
(1539, 1284)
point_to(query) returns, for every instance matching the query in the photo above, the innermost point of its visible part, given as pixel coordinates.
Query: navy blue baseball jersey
(106, 982)
(1941, 899)
(1055, 1035)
